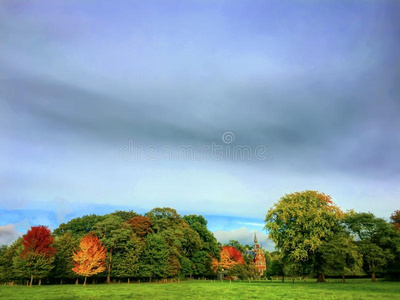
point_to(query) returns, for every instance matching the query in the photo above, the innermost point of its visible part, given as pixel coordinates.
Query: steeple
(255, 238)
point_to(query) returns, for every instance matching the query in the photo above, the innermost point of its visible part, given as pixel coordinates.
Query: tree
(236, 244)
(230, 257)
(108, 230)
(209, 248)
(140, 225)
(298, 224)
(63, 262)
(277, 266)
(395, 219)
(378, 241)
(3, 251)
(164, 218)
(186, 267)
(154, 259)
(126, 253)
(124, 215)
(340, 255)
(79, 227)
(91, 257)
(9, 254)
(38, 253)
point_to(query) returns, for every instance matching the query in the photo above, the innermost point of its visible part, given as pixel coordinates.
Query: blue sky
(314, 82)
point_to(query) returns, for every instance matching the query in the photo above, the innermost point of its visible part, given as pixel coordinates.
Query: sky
(108, 105)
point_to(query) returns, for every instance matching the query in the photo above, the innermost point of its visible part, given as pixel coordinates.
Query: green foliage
(210, 243)
(299, 224)
(127, 254)
(110, 232)
(78, 227)
(124, 215)
(7, 271)
(186, 267)
(340, 255)
(277, 267)
(154, 259)
(32, 265)
(236, 244)
(65, 245)
(378, 240)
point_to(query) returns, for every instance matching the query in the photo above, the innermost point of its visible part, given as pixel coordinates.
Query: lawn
(353, 289)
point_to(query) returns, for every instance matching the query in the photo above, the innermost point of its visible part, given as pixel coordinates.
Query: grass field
(353, 289)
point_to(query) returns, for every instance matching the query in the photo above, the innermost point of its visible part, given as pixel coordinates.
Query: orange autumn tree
(91, 257)
(230, 257)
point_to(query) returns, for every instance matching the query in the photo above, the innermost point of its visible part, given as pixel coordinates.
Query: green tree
(186, 267)
(124, 215)
(79, 227)
(127, 253)
(236, 244)
(199, 224)
(164, 218)
(109, 230)
(277, 267)
(33, 265)
(298, 224)
(154, 259)
(378, 241)
(204, 253)
(3, 251)
(7, 271)
(340, 255)
(65, 246)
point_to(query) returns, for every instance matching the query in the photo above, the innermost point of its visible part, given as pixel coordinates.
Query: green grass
(353, 289)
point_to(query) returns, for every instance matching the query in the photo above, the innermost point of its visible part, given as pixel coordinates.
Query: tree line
(313, 238)
(121, 246)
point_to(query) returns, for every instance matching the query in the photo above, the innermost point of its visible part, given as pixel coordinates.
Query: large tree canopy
(299, 223)
(378, 240)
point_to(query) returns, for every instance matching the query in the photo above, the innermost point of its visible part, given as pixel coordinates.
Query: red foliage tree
(395, 219)
(230, 256)
(91, 257)
(140, 225)
(38, 254)
(38, 240)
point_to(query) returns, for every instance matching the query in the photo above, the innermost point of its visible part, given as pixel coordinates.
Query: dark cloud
(317, 84)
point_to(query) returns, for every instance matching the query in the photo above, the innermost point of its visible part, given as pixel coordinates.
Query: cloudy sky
(97, 98)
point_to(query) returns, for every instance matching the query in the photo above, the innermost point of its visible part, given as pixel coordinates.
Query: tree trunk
(129, 280)
(40, 282)
(321, 278)
(84, 283)
(60, 281)
(343, 279)
(30, 284)
(109, 269)
(373, 277)
(77, 281)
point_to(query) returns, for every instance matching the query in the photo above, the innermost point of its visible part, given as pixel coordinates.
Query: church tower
(259, 258)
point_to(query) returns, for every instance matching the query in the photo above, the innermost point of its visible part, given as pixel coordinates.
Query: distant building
(258, 256)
